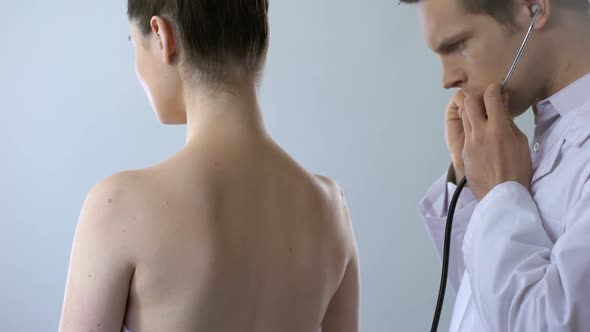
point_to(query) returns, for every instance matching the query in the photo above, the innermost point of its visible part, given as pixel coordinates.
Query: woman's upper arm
(101, 267)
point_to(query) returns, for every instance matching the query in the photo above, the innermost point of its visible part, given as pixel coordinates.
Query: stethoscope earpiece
(536, 9)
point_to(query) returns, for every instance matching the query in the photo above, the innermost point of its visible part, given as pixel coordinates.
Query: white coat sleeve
(434, 210)
(520, 279)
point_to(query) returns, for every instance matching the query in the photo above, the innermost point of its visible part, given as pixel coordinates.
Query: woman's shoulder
(123, 194)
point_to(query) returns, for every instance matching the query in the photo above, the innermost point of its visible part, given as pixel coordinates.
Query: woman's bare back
(235, 238)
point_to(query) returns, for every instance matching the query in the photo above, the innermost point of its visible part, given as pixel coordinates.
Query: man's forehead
(441, 19)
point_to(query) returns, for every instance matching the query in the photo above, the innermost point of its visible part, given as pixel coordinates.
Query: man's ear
(544, 14)
(166, 38)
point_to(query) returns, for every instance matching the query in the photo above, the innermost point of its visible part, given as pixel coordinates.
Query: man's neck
(572, 54)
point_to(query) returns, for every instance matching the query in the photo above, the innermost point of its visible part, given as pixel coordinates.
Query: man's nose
(453, 77)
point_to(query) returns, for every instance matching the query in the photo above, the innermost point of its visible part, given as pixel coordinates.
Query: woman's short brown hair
(214, 34)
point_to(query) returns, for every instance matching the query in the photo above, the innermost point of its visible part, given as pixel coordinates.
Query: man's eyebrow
(447, 42)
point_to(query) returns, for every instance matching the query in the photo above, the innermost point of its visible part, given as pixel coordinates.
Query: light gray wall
(350, 91)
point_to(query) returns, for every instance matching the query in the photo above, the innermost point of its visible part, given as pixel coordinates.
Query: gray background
(350, 91)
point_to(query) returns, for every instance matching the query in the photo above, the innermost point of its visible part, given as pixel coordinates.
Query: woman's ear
(166, 39)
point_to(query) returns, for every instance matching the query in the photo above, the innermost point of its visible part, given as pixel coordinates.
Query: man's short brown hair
(214, 34)
(503, 10)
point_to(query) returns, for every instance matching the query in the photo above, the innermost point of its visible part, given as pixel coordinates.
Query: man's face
(476, 50)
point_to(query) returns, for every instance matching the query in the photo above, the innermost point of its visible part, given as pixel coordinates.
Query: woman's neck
(228, 114)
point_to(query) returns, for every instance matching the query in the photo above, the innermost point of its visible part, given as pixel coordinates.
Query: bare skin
(230, 234)
(241, 240)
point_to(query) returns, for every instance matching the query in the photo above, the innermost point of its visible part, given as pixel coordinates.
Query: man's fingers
(454, 105)
(496, 107)
(459, 99)
(466, 121)
(476, 112)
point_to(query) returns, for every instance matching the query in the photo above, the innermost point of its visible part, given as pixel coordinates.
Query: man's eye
(457, 46)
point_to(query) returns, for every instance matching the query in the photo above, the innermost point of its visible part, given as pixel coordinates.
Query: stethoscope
(536, 10)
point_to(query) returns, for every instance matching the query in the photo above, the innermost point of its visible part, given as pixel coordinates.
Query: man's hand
(455, 134)
(495, 150)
